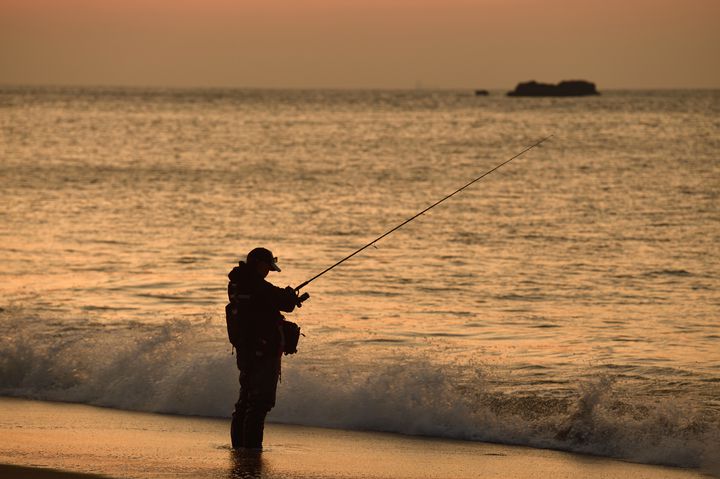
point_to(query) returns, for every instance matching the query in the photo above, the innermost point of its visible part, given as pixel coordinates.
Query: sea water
(570, 300)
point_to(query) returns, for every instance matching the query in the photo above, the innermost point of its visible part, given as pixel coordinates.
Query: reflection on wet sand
(246, 464)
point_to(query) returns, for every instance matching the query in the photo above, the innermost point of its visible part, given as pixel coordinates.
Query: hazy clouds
(343, 43)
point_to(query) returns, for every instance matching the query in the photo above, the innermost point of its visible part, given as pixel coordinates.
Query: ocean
(570, 300)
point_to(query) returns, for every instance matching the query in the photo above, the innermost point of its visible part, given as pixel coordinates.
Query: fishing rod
(537, 143)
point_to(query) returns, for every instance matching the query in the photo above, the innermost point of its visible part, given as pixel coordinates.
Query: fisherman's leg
(238, 416)
(261, 399)
(254, 427)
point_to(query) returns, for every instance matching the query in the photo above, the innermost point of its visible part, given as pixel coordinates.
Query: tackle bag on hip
(290, 335)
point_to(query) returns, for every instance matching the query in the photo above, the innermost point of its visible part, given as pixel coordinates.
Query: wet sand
(120, 444)
(11, 472)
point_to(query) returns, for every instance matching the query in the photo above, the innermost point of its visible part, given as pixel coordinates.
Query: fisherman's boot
(236, 430)
(253, 429)
(238, 421)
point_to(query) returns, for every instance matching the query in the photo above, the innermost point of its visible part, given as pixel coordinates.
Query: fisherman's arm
(284, 299)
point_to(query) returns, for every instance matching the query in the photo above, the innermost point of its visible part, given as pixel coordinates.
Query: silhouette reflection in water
(246, 464)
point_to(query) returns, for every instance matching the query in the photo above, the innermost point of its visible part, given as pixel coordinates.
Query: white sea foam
(178, 369)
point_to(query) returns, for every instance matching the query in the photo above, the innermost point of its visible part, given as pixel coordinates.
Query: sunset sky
(360, 43)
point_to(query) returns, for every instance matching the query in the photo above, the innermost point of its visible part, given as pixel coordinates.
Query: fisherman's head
(262, 261)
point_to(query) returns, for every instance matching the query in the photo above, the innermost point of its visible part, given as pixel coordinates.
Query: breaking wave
(185, 368)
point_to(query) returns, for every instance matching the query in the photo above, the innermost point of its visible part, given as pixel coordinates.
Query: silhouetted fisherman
(255, 328)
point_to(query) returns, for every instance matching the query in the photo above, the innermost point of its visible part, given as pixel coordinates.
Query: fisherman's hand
(297, 299)
(292, 295)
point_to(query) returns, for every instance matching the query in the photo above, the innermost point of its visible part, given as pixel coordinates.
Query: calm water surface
(569, 300)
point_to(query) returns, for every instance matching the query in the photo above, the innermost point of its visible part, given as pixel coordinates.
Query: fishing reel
(302, 298)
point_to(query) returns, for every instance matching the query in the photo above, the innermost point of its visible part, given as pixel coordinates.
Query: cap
(265, 255)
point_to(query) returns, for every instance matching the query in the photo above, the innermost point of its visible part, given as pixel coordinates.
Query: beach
(120, 444)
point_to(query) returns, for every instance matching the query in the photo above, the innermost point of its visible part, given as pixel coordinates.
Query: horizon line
(316, 88)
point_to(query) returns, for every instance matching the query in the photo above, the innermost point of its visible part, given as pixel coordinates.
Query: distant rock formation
(564, 88)
(481, 93)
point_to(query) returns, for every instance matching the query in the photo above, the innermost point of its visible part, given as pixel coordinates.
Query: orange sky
(360, 43)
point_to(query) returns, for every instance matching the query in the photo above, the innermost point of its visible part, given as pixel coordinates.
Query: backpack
(234, 329)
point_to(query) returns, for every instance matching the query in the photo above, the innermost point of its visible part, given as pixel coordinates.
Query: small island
(564, 88)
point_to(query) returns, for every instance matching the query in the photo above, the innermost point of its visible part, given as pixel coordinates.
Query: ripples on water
(591, 258)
